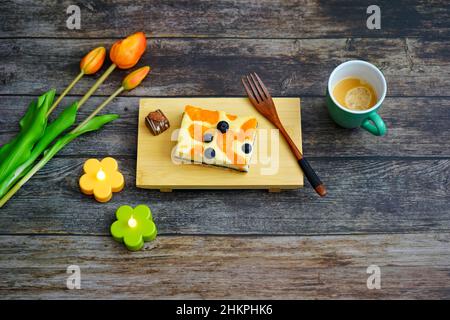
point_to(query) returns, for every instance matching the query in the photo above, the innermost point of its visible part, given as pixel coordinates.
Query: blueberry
(247, 148)
(207, 137)
(223, 126)
(210, 153)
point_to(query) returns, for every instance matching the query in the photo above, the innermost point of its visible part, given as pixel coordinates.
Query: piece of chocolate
(157, 122)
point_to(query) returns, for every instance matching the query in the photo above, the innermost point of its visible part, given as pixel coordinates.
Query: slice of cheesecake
(216, 138)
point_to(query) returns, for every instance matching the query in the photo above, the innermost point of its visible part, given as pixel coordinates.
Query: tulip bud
(127, 52)
(135, 78)
(93, 61)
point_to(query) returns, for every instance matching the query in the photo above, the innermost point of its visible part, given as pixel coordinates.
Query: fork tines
(255, 88)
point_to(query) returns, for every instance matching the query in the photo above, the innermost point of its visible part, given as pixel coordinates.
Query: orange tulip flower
(90, 64)
(93, 61)
(135, 78)
(127, 52)
(124, 54)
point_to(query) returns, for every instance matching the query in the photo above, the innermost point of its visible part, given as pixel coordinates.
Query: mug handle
(374, 124)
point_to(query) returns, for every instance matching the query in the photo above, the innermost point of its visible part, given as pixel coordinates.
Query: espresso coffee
(355, 94)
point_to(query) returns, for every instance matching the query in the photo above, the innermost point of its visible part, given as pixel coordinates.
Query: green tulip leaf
(94, 124)
(65, 120)
(6, 148)
(33, 127)
(27, 120)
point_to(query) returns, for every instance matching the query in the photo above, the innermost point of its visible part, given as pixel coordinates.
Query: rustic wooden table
(388, 202)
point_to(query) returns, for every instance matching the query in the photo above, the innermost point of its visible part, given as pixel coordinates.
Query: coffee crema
(355, 94)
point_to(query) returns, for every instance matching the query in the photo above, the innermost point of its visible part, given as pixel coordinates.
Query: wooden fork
(262, 101)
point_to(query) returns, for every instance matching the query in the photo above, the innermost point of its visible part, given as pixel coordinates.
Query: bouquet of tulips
(38, 140)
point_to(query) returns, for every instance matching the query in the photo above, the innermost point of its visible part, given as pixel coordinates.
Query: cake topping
(198, 114)
(210, 153)
(249, 125)
(247, 148)
(208, 137)
(223, 126)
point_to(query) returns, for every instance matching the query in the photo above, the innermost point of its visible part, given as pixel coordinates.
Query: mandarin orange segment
(197, 131)
(231, 117)
(249, 124)
(197, 114)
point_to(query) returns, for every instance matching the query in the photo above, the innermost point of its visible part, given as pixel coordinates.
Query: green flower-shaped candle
(134, 226)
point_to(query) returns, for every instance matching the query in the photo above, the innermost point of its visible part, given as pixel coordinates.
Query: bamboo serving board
(273, 168)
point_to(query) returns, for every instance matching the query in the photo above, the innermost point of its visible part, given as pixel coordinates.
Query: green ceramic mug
(367, 119)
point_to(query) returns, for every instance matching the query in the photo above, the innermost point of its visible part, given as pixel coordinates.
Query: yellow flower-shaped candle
(134, 226)
(101, 178)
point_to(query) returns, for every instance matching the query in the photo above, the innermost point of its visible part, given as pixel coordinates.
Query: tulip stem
(97, 84)
(21, 182)
(99, 108)
(66, 91)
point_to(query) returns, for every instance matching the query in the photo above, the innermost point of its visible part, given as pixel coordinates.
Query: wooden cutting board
(273, 168)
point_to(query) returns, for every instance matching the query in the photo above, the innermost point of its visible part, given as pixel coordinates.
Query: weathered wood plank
(412, 266)
(193, 67)
(416, 127)
(225, 18)
(365, 196)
